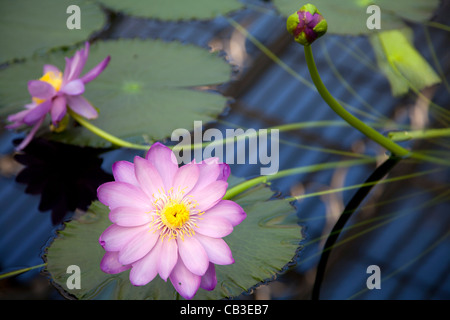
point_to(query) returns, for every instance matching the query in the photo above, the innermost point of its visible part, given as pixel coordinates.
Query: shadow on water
(65, 176)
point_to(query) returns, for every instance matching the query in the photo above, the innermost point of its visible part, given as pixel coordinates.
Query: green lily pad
(350, 16)
(28, 26)
(174, 9)
(262, 245)
(147, 91)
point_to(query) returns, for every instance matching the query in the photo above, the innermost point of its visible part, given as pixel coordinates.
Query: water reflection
(65, 176)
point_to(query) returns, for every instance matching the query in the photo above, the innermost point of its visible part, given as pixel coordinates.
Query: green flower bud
(306, 25)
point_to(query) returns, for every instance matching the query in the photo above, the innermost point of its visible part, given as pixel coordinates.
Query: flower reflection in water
(65, 176)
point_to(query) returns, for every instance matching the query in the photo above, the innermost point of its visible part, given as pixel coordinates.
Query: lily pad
(147, 91)
(174, 9)
(262, 245)
(350, 16)
(28, 27)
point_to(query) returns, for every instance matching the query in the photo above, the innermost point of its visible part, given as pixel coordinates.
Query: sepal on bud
(306, 25)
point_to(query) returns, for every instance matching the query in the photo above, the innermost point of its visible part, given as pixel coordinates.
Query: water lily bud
(306, 25)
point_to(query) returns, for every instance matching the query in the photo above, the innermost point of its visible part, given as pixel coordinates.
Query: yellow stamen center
(175, 215)
(54, 79)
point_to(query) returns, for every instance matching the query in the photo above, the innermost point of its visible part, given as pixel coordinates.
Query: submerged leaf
(29, 26)
(402, 64)
(174, 9)
(262, 245)
(146, 92)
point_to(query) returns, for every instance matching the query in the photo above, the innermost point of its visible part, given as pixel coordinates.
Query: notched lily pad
(262, 245)
(29, 26)
(174, 9)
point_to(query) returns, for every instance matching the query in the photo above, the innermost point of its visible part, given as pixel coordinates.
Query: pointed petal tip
(96, 71)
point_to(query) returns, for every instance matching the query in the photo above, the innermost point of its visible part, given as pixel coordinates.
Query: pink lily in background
(55, 91)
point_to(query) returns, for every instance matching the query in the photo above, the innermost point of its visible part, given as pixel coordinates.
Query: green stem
(362, 185)
(281, 128)
(105, 135)
(234, 191)
(19, 271)
(344, 114)
(419, 134)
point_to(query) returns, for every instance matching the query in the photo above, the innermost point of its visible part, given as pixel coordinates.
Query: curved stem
(232, 192)
(105, 135)
(351, 207)
(19, 271)
(344, 114)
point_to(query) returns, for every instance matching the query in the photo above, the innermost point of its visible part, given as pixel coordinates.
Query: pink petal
(121, 194)
(148, 177)
(209, 279)
(17, 118)
(164, 160)
(193, 255)
(58, 110)
(114, 238)
(13, 125)
(38, 113)
(184, 281)
(77, 63)
(81, 106)
(41, 89)
(30, 135)
(138, 247)
(225, 172)
(74, 87)
(129, 217)
(123, 171)
(67, 69)
(214, 226)
(210, 195)
(110, 264)
(167, 259)
(185, 178)
(217, 250)
(229, 210)
(145, 270)
(209, 172)
(51, 68)
(95, 72)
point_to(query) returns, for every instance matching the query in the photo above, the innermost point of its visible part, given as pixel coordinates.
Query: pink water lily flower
(54, 91)
(168, 220)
